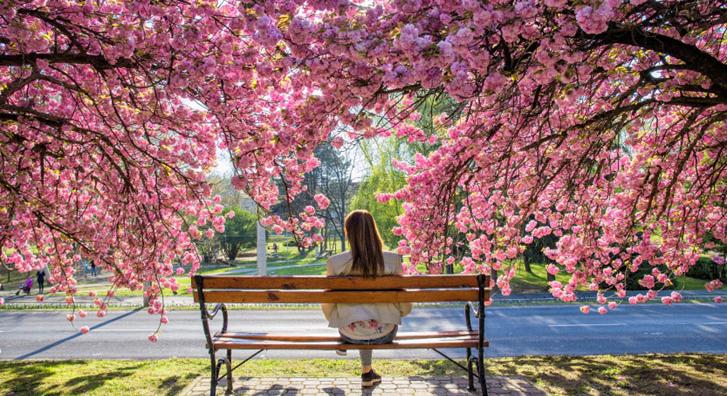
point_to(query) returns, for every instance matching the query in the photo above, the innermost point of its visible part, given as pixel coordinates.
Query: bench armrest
(473, 309)
(207, 315)
(219, 307)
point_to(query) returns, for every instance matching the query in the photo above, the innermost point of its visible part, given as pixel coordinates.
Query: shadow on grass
(173, 384)
(30, 378)
(87, 383)
(682, 374)
(82, 377)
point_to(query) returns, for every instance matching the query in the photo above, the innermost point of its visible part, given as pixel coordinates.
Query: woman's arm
(404, 308)
(328, 308)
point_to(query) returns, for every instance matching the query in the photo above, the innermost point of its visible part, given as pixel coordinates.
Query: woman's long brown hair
(365, 242)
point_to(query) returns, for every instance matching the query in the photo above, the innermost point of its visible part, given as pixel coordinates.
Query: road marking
(624, 324)
(119, 330)
(587, 324)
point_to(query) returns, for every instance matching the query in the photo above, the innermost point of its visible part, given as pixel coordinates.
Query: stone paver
(418, 385)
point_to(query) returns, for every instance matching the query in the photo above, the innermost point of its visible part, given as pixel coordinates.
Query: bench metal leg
(220, 362)
(470, 375)
(213, 374)
(482, 281)
(481, 375)
(229, 371)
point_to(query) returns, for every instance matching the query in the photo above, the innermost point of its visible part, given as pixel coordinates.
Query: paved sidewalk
(352, 386)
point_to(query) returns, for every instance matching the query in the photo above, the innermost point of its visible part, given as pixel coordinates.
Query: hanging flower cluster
(600, 122)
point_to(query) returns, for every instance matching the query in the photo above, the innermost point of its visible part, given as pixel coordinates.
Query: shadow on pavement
(71, 337)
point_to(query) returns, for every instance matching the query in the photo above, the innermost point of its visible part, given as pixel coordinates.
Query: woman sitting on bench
(365, 323)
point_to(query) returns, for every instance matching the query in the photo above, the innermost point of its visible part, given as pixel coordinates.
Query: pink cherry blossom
(676, 297)
(713, 285)
(322, 201)
(576, 122)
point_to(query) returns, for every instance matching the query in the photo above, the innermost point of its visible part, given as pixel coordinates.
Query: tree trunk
(146, 298)
(526, 261)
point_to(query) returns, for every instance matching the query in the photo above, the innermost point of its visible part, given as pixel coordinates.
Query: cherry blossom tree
(111, 114)
(602, 122)
(598, 121)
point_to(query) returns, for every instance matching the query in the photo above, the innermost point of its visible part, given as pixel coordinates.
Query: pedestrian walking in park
(40, 277)
(26, 286)
(365, 323)
(93, 268)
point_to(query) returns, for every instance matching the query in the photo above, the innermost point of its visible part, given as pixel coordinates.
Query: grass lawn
(284, 252)
(99, 377)
(101, 284)
(680, 374)
(312, 270)
(689, 283)
(535, 282)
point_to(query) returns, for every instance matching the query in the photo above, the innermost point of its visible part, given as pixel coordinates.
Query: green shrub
(707, 269)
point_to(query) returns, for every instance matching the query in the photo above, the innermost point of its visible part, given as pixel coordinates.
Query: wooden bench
(472, 289)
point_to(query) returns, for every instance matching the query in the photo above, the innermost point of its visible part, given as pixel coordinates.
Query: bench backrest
(340, 289)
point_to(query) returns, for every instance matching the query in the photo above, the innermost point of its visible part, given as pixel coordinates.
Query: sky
(223, 166)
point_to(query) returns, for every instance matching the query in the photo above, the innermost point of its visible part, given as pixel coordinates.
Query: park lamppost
(262, 264)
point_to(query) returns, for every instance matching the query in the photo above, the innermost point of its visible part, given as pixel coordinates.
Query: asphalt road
(513, 331)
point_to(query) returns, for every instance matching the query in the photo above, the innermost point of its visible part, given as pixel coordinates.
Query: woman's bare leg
(366, 357)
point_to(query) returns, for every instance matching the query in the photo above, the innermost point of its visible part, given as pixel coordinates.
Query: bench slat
(339, 282)
(463, 342)
(332, 337)
(343, 297)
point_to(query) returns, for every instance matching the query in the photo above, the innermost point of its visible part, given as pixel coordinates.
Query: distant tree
(208, 249)
(239, 233)
(382, 154)
(334, 180)
(533, 253)
(382, 178)
(222, 186)
(292, 207)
